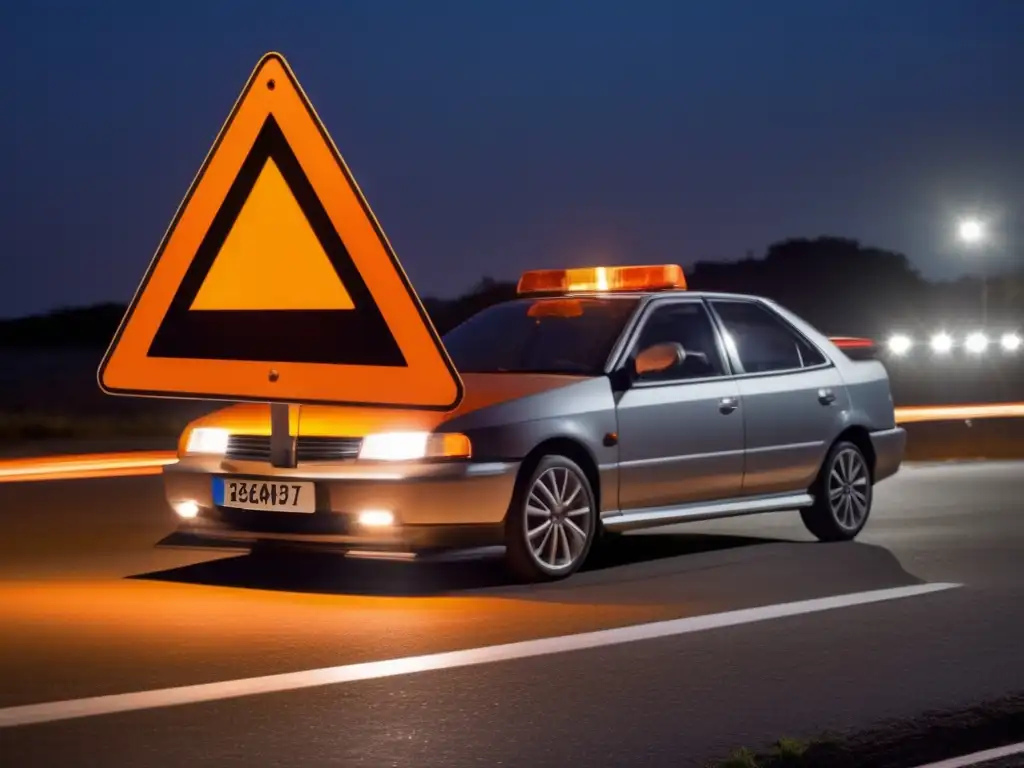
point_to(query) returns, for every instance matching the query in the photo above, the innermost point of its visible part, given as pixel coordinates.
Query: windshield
(550, 335)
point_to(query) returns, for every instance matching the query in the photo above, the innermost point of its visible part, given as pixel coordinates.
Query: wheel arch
(860, 437)
(570, 448)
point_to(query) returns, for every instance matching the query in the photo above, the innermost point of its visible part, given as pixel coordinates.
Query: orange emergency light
(659, 277)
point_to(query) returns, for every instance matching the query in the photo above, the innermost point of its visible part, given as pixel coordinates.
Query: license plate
(264, 495)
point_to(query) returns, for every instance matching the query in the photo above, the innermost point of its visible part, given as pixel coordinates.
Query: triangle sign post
(274, 282)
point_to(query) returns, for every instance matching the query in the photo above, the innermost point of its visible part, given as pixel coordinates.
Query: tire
(556, 502)
(842, 495)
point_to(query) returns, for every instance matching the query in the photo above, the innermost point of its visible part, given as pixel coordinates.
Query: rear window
(764, 343)
(549, 335)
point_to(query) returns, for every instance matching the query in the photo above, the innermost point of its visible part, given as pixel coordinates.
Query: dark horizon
(838, 284)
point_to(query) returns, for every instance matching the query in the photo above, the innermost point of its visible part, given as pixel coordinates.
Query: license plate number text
(269, 495)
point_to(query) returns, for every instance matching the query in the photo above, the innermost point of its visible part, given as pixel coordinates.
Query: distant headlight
(976, 343)
(409, 446)
(208, 440)
(1011, 342)
(942, 342)
(900, 344)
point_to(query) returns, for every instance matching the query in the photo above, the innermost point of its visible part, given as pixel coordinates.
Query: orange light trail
(85, 466)
(141, 463)
(917, 413)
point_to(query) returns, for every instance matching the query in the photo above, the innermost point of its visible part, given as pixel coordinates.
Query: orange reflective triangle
(275, 282)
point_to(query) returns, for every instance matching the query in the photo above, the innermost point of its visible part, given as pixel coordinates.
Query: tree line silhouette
(838, 284)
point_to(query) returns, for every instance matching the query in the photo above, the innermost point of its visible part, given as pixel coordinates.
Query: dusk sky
(493, 136)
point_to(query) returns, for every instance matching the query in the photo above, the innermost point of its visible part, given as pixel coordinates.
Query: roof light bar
(600, 279)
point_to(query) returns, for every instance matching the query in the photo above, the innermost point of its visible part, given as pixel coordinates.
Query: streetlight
(973, 233)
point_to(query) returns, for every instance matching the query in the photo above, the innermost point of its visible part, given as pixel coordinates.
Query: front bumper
(890, 446)
(441, 505)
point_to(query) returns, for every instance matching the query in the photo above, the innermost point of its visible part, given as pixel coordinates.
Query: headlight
(1011, 342)
(900, 344)
(408, 446)
(208, 440)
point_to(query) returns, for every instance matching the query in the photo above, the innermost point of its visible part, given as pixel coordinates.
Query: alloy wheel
(558, 519)
(848, 489)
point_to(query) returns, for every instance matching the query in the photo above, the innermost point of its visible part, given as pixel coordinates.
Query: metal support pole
(282, 444)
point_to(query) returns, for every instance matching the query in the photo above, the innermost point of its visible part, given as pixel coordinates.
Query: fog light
(376, 518)
(186, 509)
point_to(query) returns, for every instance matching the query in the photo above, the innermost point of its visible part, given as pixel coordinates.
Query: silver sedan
(586, 413)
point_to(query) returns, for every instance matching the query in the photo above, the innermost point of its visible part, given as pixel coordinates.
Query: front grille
(248, 448)
(327, 448)
(307, 449)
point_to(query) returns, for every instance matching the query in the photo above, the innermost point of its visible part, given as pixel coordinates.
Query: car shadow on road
(324, 573)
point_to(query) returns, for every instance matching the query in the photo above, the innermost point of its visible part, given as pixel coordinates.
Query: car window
(548, 335)
(763, 341)
(689, 324)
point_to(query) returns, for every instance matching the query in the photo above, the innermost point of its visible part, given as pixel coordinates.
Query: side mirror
(660, 357)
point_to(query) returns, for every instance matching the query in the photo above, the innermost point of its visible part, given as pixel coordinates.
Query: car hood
(482, 390)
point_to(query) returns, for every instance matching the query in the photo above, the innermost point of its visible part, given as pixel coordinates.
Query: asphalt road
(88, 608)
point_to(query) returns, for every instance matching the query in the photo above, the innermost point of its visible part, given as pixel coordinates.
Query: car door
(680, 430)
(793, 396)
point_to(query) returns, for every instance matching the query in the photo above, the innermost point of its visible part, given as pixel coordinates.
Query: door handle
(826, 396)
(727, 405)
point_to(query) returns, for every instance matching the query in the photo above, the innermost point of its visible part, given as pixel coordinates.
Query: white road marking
(977, 758)
(348, 673)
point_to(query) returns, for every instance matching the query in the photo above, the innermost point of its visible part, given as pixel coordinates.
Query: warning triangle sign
(274, 282)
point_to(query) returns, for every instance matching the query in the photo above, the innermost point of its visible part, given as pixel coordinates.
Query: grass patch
(18, 427)
(934, 736)
(787, 753)
(791, 748)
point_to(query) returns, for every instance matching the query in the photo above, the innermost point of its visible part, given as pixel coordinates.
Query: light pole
(972, 233)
